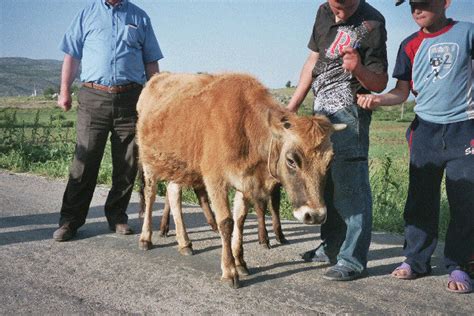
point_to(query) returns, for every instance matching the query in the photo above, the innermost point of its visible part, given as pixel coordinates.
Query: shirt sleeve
(375, 55)
(403, 67)
(73, 40)
(151, 47)
(313, 40)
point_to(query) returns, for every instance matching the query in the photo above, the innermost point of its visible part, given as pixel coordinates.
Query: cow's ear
(278, 122)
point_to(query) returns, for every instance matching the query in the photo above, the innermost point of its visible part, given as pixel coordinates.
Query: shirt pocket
(133, 36)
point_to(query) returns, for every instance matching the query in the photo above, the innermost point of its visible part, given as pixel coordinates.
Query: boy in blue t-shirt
(436, 64)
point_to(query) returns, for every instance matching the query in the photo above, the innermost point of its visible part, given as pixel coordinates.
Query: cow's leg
(173, 191)
(218, 195)
(262, 230)
(149, 194)
(240, 213)
(203, 199)
(165, 219)
(274, 206)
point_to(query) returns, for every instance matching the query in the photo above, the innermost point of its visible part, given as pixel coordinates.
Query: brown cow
(222, 131)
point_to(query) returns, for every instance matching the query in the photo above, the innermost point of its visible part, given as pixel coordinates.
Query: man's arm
(151, 69)
(368, 79)
(395, 96)
(304, 84)
(68, 73)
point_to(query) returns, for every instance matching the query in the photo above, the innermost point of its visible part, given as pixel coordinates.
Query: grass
(39, 138)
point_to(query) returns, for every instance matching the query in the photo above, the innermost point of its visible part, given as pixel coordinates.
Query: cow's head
(300, 156)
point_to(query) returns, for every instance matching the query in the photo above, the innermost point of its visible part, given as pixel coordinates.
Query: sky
(266, 38)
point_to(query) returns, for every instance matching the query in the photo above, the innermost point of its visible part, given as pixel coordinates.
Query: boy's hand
(368, 101)
(350, 59)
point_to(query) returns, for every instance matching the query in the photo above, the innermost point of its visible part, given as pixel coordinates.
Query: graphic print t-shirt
(440, 71)
(333, 88)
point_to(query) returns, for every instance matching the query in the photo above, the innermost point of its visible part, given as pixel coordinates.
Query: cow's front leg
(150, 194)
(274, 206)
(240, 213)
(218, 195)
(174, 196)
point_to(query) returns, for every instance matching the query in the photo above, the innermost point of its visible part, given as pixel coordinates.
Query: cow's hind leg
(274, 206)
(149, 195)
(262, 230)
(165, 219)
(240, 213)
(218, 195)
(174, 197)
(203, 199)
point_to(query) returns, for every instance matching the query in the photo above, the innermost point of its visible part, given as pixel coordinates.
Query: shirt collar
(120, 5)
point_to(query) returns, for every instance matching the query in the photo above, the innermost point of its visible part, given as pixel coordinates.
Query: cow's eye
(291, 163)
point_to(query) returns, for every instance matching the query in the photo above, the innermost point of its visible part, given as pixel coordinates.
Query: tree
(288, 84)
(49, 91)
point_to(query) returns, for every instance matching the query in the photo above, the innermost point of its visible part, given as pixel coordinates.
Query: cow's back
(194, 124)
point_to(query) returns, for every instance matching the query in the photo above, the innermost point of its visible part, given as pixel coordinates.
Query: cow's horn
(339, 127)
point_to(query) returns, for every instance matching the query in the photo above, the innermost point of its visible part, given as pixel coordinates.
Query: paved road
(100, 272)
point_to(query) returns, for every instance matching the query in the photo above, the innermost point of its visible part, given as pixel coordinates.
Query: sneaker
(64, 233)
(340, 272)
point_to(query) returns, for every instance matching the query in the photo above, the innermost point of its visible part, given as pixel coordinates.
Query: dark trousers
(435, 149)
(99, 115)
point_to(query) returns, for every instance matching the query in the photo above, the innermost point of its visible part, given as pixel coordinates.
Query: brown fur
(222, 131)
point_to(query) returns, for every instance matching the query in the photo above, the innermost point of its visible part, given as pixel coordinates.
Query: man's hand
(65, 101)
(350, 59)
(368, 101)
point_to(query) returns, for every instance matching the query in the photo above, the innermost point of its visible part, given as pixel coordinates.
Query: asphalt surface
(101, 272)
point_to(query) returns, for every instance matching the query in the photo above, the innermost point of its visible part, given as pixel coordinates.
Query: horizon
(265, 38)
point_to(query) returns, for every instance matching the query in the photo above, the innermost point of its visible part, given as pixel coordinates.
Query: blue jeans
(347, 231)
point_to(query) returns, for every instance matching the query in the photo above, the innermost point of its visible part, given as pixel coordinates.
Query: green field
(37, 137)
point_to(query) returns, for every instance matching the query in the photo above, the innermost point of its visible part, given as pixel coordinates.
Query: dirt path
(99, 272)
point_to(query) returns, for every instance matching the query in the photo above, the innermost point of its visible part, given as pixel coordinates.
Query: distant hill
(20, 76)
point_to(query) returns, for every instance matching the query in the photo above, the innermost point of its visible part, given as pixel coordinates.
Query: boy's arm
(397, 95)
(368, 79)
(306, 78)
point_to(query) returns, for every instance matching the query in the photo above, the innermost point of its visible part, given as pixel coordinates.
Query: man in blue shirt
(115, 42)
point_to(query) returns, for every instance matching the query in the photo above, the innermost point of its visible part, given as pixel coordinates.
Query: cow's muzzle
(311, 216)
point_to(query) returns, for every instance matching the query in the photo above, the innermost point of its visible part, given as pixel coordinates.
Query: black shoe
(121, 229)
(64, 233)
(317, 256)
(342, 273)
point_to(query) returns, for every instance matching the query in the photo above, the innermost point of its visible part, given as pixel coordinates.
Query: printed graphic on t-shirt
(442, 58)
(332, 85)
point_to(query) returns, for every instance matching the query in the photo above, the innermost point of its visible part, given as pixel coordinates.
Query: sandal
(410, 274)
(459, 276)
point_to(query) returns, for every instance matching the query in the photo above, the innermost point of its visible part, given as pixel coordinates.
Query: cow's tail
(141, 184)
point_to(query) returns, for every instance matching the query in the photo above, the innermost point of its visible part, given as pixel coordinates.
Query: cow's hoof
(282, 240)
(163, 234)
(214, 227)
(232, 282)
(265, 244)
(186, 251)
(242, 270)
(145, 245)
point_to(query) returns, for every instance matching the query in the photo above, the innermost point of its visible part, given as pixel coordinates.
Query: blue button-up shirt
(113, 43)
